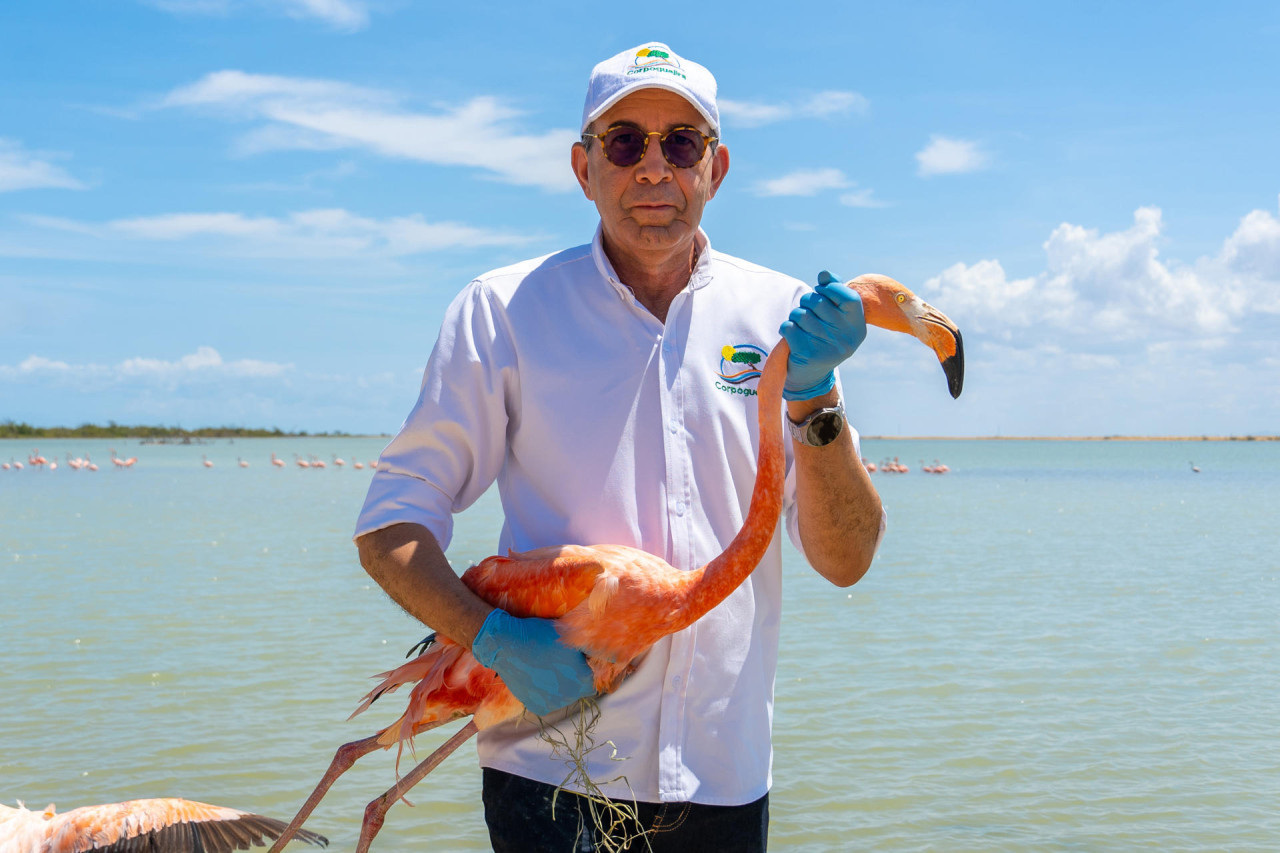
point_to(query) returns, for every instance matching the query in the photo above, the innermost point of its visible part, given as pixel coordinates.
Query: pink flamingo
(243, 463)
(612, 602)
(316, 462)
(359, 465)
(89, 463)
(207, 463)
(167, 824)
(276, 461)
(338, 461)
(301, 463)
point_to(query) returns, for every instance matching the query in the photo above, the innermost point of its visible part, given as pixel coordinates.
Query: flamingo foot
(347, 755)
(375, 813)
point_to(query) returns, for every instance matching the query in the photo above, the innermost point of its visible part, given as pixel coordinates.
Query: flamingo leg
(347, 755)
(376, 812)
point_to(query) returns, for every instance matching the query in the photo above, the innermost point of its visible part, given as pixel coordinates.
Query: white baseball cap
(651, 65)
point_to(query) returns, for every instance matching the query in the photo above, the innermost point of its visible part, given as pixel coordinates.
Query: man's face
(651, 206)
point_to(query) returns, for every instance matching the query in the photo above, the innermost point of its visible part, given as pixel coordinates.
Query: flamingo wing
(547, 582)
(166, 825)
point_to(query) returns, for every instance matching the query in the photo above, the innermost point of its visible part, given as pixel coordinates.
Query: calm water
(1061, 646)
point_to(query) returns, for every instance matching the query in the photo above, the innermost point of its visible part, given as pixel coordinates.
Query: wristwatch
(820, 428)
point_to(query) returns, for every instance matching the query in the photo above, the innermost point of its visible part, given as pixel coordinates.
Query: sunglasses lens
(684, 148)
(624, 146)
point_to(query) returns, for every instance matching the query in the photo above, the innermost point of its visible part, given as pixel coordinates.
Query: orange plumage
(613, 602)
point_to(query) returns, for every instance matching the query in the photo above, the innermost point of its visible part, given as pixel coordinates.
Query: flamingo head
(891, 305)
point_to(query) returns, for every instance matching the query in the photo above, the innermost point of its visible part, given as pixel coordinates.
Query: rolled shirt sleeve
(451, 446)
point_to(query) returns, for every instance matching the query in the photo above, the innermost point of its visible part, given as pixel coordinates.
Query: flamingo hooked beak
(946, 342)
(891, 305)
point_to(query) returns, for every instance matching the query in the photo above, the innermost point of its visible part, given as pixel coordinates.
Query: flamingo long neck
(712, 583)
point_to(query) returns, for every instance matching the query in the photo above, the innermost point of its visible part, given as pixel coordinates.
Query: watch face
(824, 428)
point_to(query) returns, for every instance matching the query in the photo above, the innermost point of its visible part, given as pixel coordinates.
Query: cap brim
(649, 84)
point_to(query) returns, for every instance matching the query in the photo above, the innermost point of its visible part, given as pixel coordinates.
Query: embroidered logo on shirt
(740, 363)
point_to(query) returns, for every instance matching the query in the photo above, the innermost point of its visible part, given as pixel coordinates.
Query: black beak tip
(954, 368)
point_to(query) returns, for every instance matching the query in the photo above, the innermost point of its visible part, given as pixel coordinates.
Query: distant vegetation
(10, 429)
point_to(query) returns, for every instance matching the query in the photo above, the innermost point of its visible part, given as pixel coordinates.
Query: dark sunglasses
(625, 146)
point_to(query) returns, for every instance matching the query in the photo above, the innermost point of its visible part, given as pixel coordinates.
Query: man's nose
(653, 168)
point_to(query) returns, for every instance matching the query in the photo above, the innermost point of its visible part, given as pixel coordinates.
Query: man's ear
(581, 166)
(719, 168)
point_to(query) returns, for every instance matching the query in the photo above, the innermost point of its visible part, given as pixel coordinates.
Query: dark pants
(519, 815)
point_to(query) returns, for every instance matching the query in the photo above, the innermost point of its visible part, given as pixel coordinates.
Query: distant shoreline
(178, 435)
(159, 434)
(1073, 437)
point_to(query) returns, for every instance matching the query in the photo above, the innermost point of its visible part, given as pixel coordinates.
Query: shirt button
(675, 679)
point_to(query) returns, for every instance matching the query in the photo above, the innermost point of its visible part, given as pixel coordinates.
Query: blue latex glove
(542, 672)
(823, 331)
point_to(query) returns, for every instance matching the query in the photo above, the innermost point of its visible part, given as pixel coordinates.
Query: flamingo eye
(902, 297)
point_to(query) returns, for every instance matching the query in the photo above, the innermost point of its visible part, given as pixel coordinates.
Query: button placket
(672, 730)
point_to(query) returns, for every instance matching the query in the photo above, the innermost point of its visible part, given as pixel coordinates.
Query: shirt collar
(700, 277)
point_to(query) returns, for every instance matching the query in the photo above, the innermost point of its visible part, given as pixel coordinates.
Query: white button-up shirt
(603, 426)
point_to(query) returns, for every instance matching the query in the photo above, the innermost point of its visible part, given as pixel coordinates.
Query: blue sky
(253, 212)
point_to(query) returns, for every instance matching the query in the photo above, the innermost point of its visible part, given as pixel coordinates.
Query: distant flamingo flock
(893, 466)
(35, 461)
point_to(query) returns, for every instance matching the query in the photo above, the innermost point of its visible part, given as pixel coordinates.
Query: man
(591, 385)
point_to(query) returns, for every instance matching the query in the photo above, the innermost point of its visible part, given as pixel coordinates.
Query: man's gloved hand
(542, 672)
(823, 331)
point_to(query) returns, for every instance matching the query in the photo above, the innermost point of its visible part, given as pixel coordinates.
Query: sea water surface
(1062, 645)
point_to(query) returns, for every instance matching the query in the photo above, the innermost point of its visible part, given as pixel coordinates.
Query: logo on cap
(655, 59)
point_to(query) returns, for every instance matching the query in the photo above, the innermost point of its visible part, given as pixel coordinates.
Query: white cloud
(750, 114)
(946, 156)
(320, 233)
(203, 360)
(810, 182)
(820, 105)
(205, 364)
(833, 103)
(861, 198)
(236, 90)
(984, 296)
(27, 170)
(1252, 256)
(803, 182)
(302, 113)
(345, 15)
(1102, 289)
(36, 363)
